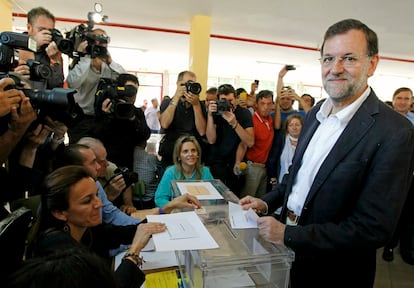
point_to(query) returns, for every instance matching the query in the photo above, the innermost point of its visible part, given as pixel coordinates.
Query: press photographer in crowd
(184, 114)
(16, 115)
(41, 26)
(228, 124)
(94, 63)
(32, 126)
(41, 134)
(120, 125)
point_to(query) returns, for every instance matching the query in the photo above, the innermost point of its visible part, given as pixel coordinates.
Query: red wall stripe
(165, 30)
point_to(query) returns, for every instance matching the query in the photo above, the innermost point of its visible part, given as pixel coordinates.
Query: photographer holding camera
(116, 181)
(228, 125)
(29, 141)
(41, 26)
(121, 126)
(184, 114)
(85, 77)
(32, 127)
(19, 144)
(16, 115)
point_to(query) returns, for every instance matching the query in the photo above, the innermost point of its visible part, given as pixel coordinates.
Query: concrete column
(6, 22)
(200, 49)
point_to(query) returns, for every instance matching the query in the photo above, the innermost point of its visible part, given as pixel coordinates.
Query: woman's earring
(66, 228)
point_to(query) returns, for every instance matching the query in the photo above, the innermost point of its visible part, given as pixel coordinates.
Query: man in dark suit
(350, 175)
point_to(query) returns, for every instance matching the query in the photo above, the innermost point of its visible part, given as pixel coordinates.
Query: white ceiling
(298, 23)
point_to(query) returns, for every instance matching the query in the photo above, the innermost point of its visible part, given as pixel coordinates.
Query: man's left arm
(112, 65)
(244, 128)
(142, 131)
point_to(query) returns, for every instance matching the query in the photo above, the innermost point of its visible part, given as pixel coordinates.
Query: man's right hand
(22, 117)
(43, 37)
(23, 69)
(181, 89)
(37, 137)
(9, 99)
(258, 205)
(212, 107)
(82, 47)
(115, 187)
(107, 106)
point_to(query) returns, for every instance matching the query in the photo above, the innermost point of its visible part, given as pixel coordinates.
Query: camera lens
(123, 110)
(38, 71)
(96, 51)
(64, 45)
(56, 96)
(43, 71)
(193, 87)
(223, 106)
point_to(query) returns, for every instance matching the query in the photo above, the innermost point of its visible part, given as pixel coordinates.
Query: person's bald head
(100, 152)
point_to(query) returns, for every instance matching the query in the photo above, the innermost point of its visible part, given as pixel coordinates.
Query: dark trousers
(82, 129)
(224, 172)
(404, 233)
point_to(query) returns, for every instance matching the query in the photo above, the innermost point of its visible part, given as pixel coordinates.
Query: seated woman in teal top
(187, 166)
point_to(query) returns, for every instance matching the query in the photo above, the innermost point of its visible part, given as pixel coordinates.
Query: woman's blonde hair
(176, 156)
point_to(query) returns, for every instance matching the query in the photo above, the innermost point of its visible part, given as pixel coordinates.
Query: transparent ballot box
(243, 258)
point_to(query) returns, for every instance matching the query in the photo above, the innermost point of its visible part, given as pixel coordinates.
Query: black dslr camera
(64, 45)
(81, 33)
(193, 87)
(84, 32)
(130, 177)
(108, 88)
(10, 41)
(58, 103)
(223, 106)
(38, 71)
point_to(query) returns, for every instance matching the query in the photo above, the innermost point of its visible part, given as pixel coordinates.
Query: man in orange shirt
(256, 156)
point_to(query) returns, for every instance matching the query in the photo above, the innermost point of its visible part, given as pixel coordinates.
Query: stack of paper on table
(201, 190)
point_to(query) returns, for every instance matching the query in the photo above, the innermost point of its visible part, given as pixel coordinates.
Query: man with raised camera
(16, 115)
(85, 77)
(121, 126)
(28, 143)
(184, 114)
(41, 26)
(228, 125)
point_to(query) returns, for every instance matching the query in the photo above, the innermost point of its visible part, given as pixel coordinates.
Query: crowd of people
(337, 172)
